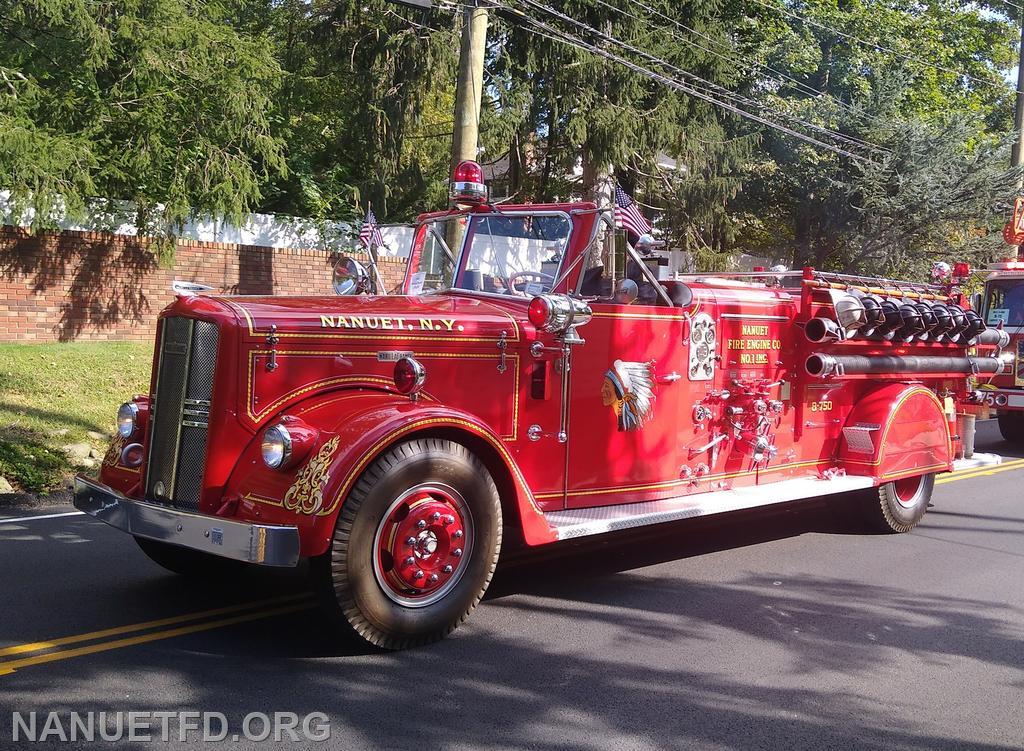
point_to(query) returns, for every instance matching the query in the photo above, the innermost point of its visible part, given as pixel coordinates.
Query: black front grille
(181, 412)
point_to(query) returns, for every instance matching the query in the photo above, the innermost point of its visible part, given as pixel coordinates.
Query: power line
(731, 58)
(721, 91)
(575, 41)
(879, 47)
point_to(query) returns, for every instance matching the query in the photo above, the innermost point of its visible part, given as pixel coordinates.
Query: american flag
(627, 214)
(369, 234)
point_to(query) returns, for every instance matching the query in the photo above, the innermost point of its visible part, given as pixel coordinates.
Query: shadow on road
(552, 659)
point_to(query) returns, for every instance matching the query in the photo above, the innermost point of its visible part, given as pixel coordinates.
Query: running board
(594, 521)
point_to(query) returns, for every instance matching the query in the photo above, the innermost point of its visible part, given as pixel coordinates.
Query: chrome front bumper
(263, 544)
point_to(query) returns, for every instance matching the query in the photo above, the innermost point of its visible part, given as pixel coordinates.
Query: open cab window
(614, 272)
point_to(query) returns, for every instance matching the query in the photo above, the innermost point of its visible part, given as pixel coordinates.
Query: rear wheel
(185, 561)
(414, 547)
(898, 506)
(1011, 425)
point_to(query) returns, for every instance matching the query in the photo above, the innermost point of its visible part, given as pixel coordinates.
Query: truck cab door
(627, 386)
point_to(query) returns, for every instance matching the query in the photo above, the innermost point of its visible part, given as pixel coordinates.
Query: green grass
(52, 395)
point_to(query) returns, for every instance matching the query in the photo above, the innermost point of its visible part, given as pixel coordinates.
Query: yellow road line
(93, 635)
(6, 668)
(981, 471)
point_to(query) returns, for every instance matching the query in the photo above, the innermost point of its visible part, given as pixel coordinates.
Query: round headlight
(127, 419)
(276, 446)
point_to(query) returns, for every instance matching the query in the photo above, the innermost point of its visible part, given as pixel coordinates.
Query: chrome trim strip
(184, 391)
(594, 521)
(151, 422)
(263, 544)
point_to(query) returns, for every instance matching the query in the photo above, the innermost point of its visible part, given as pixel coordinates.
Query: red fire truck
(1003, 305)
(553, 388)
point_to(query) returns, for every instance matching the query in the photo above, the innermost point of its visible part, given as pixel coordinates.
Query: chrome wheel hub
(422, 545)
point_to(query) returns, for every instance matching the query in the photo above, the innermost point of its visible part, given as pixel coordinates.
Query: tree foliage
(320, 107)
(158, 102)
(924, 86)
(365, 106)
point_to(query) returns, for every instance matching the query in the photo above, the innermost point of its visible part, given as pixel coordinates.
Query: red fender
(355, 427)
(897, 430)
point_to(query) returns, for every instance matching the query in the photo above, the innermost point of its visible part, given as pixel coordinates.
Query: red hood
(440, 318)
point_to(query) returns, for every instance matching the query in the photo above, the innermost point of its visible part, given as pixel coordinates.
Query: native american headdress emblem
(628, 388)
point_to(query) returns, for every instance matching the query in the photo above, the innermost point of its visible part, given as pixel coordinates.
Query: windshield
(507, 254)
(1004, 301)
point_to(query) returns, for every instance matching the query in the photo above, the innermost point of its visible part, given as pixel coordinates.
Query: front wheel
(898, 506)
(1011, 425)
(414, 547)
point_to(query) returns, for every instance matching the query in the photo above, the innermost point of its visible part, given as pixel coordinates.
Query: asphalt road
(788, 629)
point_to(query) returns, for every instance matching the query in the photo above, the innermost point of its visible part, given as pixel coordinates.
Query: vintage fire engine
(1003, 306)
(554, 388)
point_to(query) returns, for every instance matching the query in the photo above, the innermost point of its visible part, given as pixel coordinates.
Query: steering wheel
(524, 276)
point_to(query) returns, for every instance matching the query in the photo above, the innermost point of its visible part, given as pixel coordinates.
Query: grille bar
(181, 412)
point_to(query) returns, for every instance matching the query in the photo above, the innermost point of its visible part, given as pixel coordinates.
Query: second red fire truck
(537, 386)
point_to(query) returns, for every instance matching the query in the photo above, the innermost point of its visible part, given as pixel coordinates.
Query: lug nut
(457, 534)
(449, 520)
(457, 552)
(433, 578)
(447, 569)
(436, 515)
(410, 540)
(409, 561)
(421, 524)
(418, 574)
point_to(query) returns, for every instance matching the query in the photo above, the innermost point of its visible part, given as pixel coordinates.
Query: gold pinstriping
(373, 336)
(885, 434)
(373, 451)
(256, 416)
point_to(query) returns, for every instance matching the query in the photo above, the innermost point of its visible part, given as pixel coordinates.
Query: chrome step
(594, 521)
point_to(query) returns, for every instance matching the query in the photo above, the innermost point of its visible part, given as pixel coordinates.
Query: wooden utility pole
(1017, 158)
(469, 88)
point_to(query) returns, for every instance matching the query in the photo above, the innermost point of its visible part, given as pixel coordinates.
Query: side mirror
(646, 243)
(626, 292)
(350, 278)
(977, 301)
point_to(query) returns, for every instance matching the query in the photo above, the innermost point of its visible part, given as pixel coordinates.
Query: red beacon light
(468, 184)
(409, 376)
(556, 314)
(961, 270)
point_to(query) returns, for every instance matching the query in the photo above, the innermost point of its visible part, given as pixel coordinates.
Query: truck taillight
(409, 376)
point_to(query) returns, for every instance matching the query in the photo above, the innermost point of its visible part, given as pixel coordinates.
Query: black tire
(898, 506)
(1011, 425)
(356, 581)
(185, 561)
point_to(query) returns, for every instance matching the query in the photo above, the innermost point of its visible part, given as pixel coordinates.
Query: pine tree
(157, 102)
(569, 107)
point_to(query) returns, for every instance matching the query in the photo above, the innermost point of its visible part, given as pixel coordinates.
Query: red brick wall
(65, 286)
